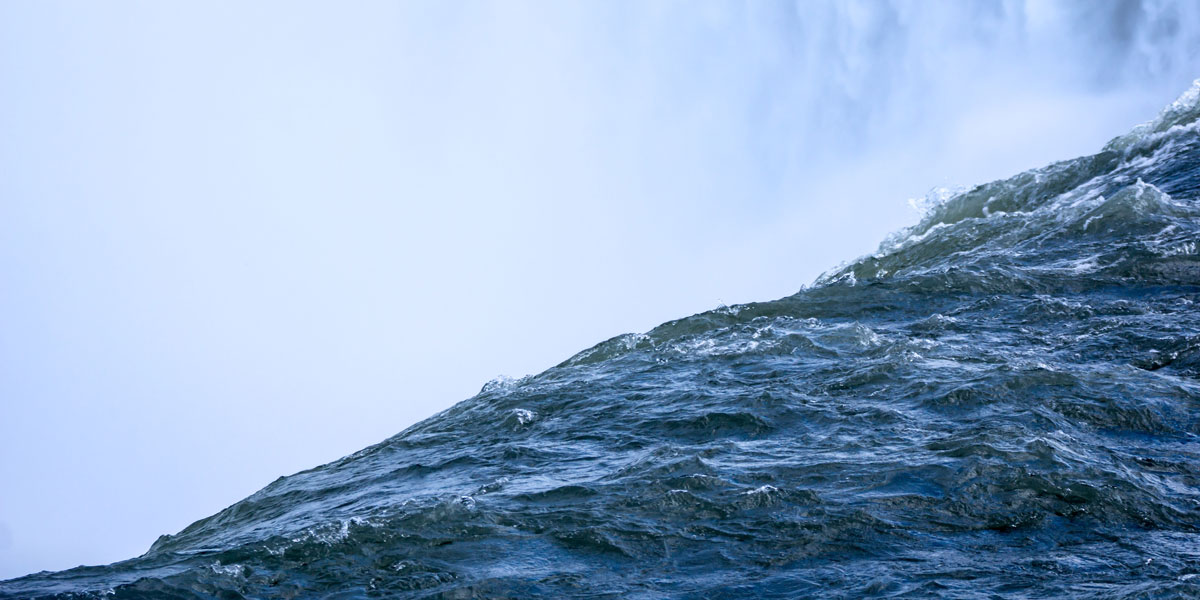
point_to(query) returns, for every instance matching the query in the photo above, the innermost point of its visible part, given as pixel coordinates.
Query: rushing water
(1003, 401)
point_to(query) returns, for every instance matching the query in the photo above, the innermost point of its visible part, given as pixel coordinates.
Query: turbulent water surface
(1003, 401)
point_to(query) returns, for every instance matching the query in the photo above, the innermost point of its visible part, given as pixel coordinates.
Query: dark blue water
(1004, 401)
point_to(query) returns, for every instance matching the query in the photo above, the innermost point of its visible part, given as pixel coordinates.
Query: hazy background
(240, 239)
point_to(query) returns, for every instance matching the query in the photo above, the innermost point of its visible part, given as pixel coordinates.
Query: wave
(1000, 402)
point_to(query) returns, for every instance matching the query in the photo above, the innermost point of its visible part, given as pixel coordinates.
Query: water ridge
(1002, 401)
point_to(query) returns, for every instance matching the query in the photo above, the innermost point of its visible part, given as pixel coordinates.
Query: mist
(241, 241)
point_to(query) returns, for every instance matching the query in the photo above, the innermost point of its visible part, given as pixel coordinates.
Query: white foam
(766, 489)
(231, 570)
(524, 416)
(502, 384)
(933, 199)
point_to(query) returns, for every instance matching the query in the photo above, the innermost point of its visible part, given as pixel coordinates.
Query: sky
(239, 240)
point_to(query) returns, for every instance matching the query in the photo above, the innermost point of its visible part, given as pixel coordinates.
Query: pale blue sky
(241, 239)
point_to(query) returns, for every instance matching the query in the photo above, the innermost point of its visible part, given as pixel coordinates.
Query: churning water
(1003, 401)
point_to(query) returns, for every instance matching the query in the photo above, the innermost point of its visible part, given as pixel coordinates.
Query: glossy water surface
(1003, 402)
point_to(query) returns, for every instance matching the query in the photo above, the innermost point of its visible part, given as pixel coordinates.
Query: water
(1003, 402)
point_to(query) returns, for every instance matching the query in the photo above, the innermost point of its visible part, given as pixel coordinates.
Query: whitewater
(1001, 402)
